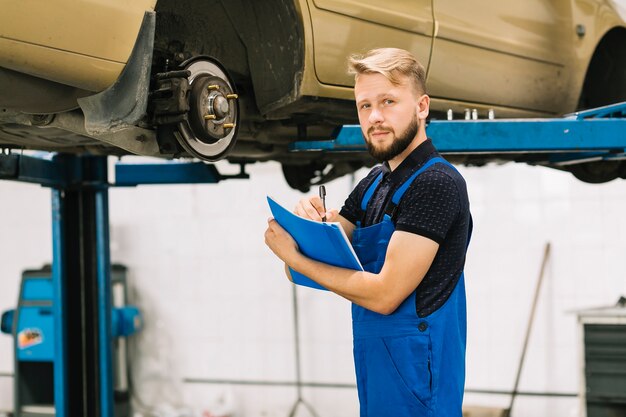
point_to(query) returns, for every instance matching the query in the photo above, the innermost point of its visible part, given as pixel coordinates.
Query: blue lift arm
(130, 174)
(589, 135)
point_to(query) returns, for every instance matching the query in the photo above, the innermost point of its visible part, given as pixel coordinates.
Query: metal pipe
(296, 329)
(264, 383)
(58, 274)
(104, 296)
(546, 256)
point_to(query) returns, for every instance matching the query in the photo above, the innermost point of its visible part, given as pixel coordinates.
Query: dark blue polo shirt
(435, 206)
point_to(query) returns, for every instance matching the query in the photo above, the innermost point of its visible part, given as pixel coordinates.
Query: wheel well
(261, 44)
(605, 81)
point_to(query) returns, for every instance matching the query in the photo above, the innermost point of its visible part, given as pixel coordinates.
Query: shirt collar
(413, 161)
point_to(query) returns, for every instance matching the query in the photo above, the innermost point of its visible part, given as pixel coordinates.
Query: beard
(399, 144)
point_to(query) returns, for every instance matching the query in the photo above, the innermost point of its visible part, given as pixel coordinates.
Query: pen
(323, 197)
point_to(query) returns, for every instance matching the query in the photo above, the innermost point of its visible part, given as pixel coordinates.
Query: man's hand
(313, 209)
(280, 242)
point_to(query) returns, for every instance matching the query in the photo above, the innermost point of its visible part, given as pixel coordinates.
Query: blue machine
(33, 328)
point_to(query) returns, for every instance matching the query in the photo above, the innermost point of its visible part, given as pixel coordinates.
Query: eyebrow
(378, 97)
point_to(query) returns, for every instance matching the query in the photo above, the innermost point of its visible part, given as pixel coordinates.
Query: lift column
(83, 341)
(80, 223)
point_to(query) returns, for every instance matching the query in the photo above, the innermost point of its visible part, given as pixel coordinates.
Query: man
(409, 223)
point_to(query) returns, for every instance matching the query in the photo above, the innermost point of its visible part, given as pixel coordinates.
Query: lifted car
(242, 80)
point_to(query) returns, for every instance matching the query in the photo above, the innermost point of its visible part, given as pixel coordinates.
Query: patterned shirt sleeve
(430, 206)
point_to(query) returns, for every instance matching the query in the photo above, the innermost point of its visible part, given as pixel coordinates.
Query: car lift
(80, 222)
(590, 135)
(81, 265)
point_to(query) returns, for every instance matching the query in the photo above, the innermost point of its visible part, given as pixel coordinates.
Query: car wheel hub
(211, 129)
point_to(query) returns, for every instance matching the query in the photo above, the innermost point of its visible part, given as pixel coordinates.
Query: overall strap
(370, 191)
(368, 195)
(390, 211)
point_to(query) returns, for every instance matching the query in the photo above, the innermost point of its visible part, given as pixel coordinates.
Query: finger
(332, 215)
(314, 208)
(317, 203)
(275, 228)
(307, 210)
(299, 210)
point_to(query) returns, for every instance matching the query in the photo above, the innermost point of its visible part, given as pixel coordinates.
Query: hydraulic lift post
(81, 279)
(83, 361)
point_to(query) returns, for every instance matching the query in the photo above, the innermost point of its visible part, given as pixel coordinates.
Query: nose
(375, 116)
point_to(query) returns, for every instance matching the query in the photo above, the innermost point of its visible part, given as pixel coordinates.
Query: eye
(364, 106)
(388, 101)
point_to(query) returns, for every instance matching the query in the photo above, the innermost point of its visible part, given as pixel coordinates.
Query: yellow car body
(287, 62)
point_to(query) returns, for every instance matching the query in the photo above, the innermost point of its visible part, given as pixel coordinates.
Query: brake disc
(210, 130)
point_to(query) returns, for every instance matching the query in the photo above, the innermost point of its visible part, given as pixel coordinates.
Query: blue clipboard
(324, 242)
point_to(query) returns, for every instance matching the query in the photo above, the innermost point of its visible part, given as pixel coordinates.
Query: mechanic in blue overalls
(410, 224)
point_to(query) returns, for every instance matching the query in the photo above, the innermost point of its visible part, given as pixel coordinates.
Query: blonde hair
(391, 63)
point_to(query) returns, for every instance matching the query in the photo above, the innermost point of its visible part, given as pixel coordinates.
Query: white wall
(25, 243)
(217, 307)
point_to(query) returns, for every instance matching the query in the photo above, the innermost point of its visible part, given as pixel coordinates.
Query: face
(390, 115)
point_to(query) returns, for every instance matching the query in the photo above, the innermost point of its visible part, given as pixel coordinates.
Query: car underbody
(222, 80)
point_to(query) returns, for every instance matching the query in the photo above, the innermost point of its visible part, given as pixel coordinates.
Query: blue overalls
(406, 366)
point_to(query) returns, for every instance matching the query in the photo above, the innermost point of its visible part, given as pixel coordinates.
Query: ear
(423, 107)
